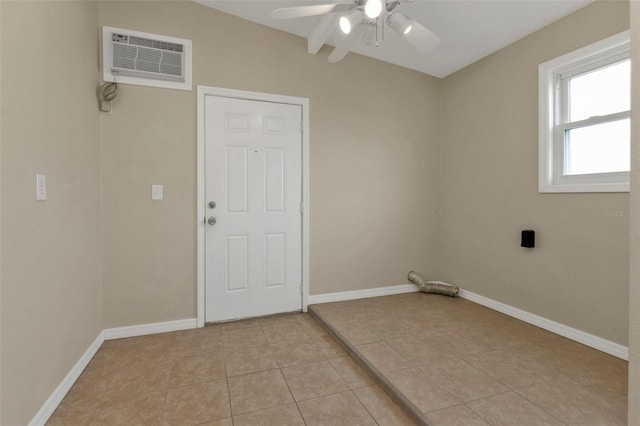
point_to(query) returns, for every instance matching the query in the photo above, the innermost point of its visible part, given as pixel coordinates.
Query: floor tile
(139, 377)
(222, 422)
(245, 364)
(357, 333)
(313, 380)
(253, 349)
(258, 391)
(312, 328)
(513, 368)
(77, 407)
(140, 409)
(390, 328)
(381, 407)
(250, 336)
(196, 369)
(287, 333)
(342, 409)
(421, 390)
(167, 377)
(328, 346)
(198, 403)
(416, 348)
(196, 345)
(462, 380)
(460, 341)
(297, 354)
(458, 415)
(574, 403)
(509, 408)
(351, 373)
(283, 415)
(383, 356)
(337, 314)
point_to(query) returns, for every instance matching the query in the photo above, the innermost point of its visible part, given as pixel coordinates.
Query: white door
(253, 174)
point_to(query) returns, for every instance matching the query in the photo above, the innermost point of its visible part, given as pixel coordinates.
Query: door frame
(202, 92)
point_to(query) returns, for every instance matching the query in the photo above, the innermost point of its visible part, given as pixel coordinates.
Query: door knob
(212, 204)
(211, 220)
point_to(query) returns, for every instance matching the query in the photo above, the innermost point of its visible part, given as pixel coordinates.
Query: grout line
(226, 378)
(166, 392)
(536, 405)
(410, 409)
(364, 406)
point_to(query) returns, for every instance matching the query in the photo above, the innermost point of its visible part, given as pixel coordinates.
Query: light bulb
(345, 25)
(408, 29)
(348, 21)
(373, 8)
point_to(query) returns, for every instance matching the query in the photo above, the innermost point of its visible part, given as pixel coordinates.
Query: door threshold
(233, 320)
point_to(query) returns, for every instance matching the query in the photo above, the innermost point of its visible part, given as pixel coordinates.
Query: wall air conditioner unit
(133, 57)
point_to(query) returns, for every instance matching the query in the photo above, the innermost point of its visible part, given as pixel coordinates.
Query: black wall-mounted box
(528, 238)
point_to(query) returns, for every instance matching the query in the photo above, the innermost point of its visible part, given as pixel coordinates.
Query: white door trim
(200, 207)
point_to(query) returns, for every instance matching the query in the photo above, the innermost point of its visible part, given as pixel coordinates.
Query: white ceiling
(469, 29)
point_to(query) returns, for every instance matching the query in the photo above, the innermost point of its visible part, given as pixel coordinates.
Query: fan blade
(341, 50)
(318, 9)
(421, 38)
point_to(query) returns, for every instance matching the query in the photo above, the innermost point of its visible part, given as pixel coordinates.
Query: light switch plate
(156, 192)
(41, 188)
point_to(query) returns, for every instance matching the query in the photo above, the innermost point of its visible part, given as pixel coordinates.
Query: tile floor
(463, 364)
(282, 370)
(460, 363)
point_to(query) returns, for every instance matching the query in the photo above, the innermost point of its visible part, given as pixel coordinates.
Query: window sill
(583, 187)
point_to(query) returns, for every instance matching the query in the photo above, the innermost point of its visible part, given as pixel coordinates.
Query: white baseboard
(58, 395)
(154, 328)
(595, 342)
(362, 294)
(63, 388)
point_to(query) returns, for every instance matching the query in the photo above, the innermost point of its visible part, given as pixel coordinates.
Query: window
(585, 119)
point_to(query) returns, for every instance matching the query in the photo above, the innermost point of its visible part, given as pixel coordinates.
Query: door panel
(253, 172)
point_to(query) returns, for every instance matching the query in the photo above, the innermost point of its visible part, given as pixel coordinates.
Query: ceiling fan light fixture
(373, 8)
(347, 22)
(400, 23)
(345, 25)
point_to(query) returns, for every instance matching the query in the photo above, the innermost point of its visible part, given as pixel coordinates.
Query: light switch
(156, 192)
(41, 188)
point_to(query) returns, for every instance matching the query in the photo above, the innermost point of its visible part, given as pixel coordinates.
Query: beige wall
(373, 136)
(396, 184)
(51, 264)
(634, 288)
(578, 273)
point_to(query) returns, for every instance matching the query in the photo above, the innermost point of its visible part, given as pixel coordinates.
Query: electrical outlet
(41, 188)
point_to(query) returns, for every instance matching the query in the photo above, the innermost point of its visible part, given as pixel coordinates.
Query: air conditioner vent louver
(146, 59)
(139, 41)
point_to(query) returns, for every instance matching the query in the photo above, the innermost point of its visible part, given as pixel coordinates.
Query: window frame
(553, 79)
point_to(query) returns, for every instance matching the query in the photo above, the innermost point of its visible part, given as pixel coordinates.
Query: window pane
(601, 148)
(600, 92)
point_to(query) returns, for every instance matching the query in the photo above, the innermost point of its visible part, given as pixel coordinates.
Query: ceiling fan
(366, 20)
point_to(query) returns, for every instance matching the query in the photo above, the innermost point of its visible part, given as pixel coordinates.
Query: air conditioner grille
(124, 56)
(171, 63)
(145, 42)
(147, 59)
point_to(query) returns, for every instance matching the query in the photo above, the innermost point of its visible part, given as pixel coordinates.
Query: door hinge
(302, 207)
